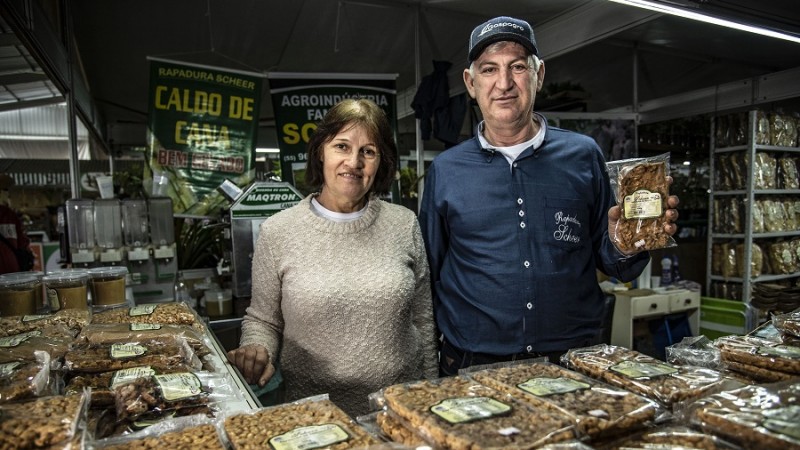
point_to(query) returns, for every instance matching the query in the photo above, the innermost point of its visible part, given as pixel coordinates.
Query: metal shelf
(748, 194)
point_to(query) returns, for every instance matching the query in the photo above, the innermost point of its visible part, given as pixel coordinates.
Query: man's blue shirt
(513, 251)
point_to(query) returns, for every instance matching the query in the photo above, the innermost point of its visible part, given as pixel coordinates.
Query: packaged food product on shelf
(642, 191)
(195, 432)
(458, 413)
(760, 359)
(287, 426)
(758, 416)
(645, 375)
(598, 409)
(45, 422)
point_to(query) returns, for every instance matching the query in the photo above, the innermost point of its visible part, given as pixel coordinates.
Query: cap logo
(492, 26)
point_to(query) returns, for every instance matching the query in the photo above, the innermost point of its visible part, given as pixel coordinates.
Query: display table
(648, 304)
(246, 400)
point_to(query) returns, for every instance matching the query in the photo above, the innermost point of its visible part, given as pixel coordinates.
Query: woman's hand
(253, 362)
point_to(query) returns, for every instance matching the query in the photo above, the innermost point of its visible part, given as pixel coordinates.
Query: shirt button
(519, 201)
(530, 305)
(526, 264)
(515, 164)
(529, 348)
(522, 213)
(522, 224)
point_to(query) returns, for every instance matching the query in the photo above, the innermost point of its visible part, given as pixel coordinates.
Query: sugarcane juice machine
(248, 211)
(151, 252)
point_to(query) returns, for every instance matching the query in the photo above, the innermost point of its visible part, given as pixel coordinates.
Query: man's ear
(469, 82)
(540, 77)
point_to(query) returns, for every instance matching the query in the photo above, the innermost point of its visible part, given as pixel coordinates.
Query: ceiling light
(267, 150)
(659, 7)
(30, 137)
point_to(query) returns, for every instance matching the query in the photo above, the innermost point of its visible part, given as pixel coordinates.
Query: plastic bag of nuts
(387, 426)
(763, 417)
(109, 357)
(115, 333)
(155, 313)
(645, 375)
(45, 422)
(666, 437)
(289, 424)
(74, 319)
(158, 396)
(21, 380)
(788, 323)
(777, 360)
(458, 413)
(597, 408)
(642, 191)
(192, 432)
(23, 346)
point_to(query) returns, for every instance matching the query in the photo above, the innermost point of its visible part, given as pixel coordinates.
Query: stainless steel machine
(249, 209)
(138, 234)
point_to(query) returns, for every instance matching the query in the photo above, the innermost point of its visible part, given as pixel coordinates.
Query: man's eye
(519, 68)
(488, 70)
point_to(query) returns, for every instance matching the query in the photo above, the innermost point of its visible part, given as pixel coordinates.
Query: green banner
(203, 126)
(300, 100)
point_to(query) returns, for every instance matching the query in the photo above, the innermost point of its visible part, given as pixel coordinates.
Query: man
(516, 220)
(10, 228)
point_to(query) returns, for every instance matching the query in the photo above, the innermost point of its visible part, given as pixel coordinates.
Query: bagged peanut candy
(642, 191)
(598, 409)
(458, 413)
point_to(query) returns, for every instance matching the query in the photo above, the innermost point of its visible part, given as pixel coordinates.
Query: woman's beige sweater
(346, 307)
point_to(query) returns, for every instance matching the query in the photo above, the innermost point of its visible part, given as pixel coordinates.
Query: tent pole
(418, 80)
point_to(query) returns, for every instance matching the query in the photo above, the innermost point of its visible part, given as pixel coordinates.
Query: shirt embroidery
(564, 226)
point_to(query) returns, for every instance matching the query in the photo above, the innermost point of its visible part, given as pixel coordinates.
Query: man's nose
(506, 79)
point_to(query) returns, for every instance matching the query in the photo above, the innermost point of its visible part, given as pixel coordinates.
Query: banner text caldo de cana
(203, 126)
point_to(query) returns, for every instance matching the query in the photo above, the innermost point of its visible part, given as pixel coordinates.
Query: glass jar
(107, 285)
(67, 289)
(18, 293)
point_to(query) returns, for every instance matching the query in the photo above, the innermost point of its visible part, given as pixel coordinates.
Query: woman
(341, 292)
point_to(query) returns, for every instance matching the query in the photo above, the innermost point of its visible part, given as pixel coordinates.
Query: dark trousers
(452, 358)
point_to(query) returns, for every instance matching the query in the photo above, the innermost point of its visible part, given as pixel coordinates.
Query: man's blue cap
(501, 29)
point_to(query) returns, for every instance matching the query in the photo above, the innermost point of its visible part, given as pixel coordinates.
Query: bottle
(676, 274)
(666, 271)
(182, 293)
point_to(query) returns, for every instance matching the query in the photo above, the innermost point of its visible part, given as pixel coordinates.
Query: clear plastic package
(45, 422)
(74, 319)
(597, 408)
(21, 380)
(286, 426)
(763, 417)
(657, 380)
(760, 359)
(155, 313)
(195, 432)
(164, 395)
(642, 191)
(459, 413)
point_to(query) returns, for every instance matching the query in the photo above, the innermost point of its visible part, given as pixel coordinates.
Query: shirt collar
(536, 141)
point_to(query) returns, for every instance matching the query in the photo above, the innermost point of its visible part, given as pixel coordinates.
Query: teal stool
(271, 393)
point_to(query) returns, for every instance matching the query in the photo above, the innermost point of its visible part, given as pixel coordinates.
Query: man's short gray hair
(532, 60)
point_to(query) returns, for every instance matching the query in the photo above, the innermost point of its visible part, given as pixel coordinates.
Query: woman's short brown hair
(343, 115)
